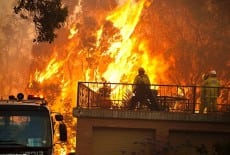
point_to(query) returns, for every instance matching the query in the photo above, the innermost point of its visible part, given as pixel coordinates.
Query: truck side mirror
(59, 117)
(63, 132)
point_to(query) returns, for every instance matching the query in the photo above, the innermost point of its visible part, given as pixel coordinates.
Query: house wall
(98, 134)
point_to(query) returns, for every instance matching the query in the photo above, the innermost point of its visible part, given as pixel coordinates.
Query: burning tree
(175, 41)
(191, 36)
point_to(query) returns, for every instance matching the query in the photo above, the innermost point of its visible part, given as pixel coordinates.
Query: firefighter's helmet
(141, 70)
(212, 72)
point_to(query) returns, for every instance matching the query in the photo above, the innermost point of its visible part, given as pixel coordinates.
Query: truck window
(28, 128)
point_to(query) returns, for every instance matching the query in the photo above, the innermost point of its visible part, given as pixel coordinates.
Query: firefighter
(211, 91)
(142, 91)
(103, 99)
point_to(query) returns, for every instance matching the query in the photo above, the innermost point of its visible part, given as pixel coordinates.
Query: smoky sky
(15, 50)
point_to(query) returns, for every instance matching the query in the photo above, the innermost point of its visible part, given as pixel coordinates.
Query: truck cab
(27, 126)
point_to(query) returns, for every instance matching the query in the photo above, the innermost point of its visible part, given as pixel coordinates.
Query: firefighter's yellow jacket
(211, 88)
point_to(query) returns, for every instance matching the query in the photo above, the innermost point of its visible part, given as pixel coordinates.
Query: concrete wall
(122, 132)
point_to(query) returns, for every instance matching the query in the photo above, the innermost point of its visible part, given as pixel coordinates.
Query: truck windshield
(27, 128)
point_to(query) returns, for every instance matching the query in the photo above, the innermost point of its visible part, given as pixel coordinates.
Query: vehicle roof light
(20, 96)
(12, 97)
(32, 97)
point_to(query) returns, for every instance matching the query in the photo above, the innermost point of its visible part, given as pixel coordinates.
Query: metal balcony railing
(171, 98)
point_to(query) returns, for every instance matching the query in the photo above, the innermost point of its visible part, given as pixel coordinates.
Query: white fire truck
(27, 126)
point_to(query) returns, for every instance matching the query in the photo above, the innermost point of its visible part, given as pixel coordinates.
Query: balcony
(169, 98)
(104, 120)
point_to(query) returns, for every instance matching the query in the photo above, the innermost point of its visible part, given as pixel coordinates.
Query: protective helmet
(212, 72)
(141, 70)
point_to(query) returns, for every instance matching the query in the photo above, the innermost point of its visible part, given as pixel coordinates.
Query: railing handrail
(152, 84)
(190, 92)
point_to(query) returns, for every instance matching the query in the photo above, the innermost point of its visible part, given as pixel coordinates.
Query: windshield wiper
(11, 143)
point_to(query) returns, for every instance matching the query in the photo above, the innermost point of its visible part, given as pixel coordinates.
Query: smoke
(15, 50)
(5, 6)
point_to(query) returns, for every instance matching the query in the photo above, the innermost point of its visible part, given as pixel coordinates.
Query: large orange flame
(130, 52)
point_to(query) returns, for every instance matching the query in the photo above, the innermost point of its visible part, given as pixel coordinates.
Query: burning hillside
(111, 39)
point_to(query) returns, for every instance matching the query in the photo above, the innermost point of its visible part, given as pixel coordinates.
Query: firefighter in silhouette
(103, 99)
(211, 91)
(105, 90)
(142, 91)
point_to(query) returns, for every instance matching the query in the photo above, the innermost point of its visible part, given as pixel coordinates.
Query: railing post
(78, 86)
(194, 99)
(88, 91)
